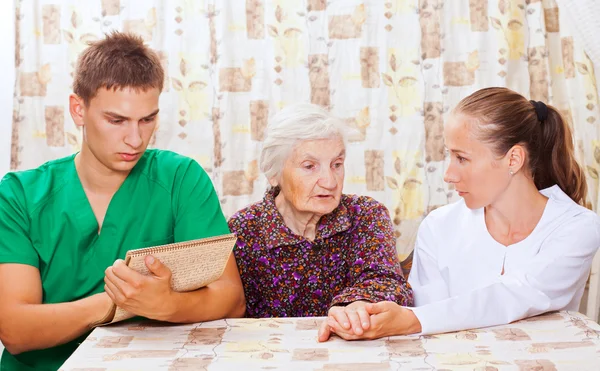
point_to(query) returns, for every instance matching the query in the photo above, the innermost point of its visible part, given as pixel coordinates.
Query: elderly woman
(307, 249)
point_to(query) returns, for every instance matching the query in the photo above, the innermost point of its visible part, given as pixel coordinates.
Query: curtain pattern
(392, 69)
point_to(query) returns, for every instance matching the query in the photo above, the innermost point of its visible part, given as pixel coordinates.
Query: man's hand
(353, 319)
(147, 296)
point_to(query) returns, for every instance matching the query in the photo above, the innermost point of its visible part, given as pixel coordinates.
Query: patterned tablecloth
(555, 341)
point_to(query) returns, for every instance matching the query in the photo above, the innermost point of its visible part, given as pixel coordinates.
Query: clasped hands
(362, 320)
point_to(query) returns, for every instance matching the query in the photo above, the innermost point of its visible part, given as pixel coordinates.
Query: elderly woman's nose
(327, 178)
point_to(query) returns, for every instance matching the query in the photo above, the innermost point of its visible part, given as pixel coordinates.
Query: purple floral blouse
(353, 257)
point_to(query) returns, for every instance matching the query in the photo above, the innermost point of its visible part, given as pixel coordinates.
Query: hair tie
(541, 110)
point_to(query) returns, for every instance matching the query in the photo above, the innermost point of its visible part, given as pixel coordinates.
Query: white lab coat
(456, 273)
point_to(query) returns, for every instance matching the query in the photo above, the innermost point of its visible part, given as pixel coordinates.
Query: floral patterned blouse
(353, 257)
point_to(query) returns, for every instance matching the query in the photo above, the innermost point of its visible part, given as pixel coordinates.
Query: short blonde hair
(293, 124)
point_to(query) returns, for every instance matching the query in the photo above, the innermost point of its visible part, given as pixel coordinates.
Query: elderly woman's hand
(386, 319)
(352, 318)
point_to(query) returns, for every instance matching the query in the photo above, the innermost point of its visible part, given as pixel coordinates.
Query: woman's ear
(516, 158)
(273, 182)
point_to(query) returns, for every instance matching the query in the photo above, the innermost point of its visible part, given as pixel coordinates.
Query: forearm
(407, 323)
(27, 327)
(479, 308)
(220, 299)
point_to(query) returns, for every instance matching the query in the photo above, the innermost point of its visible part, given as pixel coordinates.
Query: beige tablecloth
(555, 341)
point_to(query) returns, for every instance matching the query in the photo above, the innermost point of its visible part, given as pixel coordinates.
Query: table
(554, 341)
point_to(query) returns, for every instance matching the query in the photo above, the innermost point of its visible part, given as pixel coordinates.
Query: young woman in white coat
(519, 243)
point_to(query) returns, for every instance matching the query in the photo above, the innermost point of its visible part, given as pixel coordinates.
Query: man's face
(117, 125)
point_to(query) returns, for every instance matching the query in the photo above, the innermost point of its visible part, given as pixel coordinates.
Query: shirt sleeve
(198, 211)
(375, 273)
(15, 244)
(425, 278)
(551, 281)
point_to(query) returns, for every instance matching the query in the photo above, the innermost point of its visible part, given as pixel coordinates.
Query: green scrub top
(46, 221)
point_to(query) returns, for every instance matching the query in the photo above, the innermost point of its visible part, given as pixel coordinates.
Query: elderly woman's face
(313, 175)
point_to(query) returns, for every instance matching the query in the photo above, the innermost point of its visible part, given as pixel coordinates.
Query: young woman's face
(477, 174)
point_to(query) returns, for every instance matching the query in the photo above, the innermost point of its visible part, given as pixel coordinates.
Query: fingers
(376, 308)
(339, 315)
(364, 318)
(116, 282)
(353, 318)
(157, 268)
(122, 271)
(324, 332)
(113, 291)
(121, 290)
(346, 335)
(355, 321)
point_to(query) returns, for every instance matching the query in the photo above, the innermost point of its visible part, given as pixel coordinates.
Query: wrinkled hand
(387, 319)
(147, 296)
(353, 319)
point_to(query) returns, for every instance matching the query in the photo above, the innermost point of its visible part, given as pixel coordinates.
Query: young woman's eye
(461, 159)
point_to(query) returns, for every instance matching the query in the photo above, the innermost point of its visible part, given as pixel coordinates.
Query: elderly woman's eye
(309, 166)
(338, 165)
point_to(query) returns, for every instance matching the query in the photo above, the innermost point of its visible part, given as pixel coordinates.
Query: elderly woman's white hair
(293, 124)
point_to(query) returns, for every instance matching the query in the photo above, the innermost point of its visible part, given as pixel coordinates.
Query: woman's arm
(550, 282)
(375, 270)
(425, 277)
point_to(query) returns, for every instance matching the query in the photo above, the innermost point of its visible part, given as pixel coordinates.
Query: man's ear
(76, 109)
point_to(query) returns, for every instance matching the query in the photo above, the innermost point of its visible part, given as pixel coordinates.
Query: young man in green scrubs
(64, 224)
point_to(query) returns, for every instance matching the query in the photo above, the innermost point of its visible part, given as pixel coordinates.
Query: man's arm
(223, 298)
(197, 215)
(27, 324)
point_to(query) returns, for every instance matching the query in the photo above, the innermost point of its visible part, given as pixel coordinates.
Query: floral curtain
(392, 69)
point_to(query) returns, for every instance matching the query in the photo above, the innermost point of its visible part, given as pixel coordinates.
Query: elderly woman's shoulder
(360, 204)
(249, 215)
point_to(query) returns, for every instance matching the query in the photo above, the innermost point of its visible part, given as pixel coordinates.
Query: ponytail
(556, 163)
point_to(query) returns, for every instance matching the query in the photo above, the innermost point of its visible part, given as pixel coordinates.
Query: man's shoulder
(35, 186)
(43, 173)
(166, 157)
(166, 162)
(168, 168)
